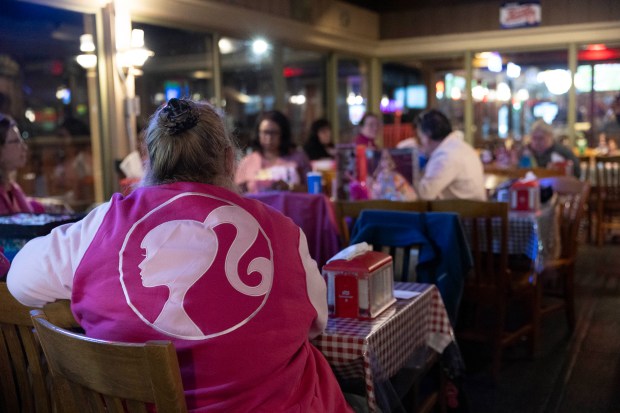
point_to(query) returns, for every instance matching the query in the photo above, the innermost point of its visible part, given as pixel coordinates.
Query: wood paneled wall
(484, 16)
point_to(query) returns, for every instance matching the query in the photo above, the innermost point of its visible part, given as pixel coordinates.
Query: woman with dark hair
(369, 130)
(275, 159)
(13, 153)
(185, 258)
(319, 144)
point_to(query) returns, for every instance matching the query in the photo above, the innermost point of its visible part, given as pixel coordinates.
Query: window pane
(597, 83)
(181, 67)
(404, 95)
(352, 95)
(511, 90)
(44, 89)
(304, 72)
(448, 87)
(248, 86)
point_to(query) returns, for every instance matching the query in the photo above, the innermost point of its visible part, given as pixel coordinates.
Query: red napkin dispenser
(525, 196)
(360, 287)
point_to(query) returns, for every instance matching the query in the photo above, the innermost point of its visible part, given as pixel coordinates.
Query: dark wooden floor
(569, 374)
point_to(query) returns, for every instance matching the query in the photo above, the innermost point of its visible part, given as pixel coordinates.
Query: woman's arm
(317, 290)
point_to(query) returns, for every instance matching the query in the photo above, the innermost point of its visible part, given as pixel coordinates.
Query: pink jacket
(227, 279)
(4, 264)
(17, 202)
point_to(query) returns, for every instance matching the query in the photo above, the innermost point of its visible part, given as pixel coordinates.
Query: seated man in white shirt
(454, 170)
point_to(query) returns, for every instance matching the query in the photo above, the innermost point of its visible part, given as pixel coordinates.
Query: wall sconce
(87, 59)
(136, 55)
(130, 59)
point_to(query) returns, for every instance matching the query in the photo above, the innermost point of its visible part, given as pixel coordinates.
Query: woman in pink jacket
(13, 153)
(185, 258)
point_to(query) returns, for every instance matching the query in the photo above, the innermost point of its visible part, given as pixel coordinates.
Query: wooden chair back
(104, 376)
(492, 286)
(608, 193)
(608, 177)
(557, 275)
(486, 229)
(512, 173)
(348, 211)
(586, 164)
(545, 172)
(404, 254)
(572, 197)
(24, 384)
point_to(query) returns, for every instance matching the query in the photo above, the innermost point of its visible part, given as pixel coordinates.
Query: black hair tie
(178, 116)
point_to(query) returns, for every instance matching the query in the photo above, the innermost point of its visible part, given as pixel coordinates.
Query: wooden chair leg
(443, 407)
(497, 343)
(569, 297)
(589, 226)
(536, 316)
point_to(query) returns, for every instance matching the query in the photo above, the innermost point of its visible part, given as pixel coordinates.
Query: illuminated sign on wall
(519, 14)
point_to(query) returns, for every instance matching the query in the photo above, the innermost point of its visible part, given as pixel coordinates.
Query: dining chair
(516, 173)
(608, 195)
(586, 163)
(572, 198)
(348, 211)
(588, 175)
(492, 287)
(24, 385)
(423, 389)
(93, 375)
(425, 247)
(544, 172)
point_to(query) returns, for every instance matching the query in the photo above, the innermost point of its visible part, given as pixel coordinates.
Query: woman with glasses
(13, 153)
(276, 162)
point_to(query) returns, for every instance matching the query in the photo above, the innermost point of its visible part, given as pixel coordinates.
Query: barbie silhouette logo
(196, 267)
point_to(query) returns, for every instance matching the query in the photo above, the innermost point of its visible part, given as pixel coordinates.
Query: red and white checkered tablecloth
(533, 234)
(376, 349)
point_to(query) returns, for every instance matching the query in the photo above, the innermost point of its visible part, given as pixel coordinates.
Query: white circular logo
(196, 267)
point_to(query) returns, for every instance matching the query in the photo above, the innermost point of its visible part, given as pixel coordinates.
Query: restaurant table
(17, 229)
(535, 235)
(377, 349)
(313, 213)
